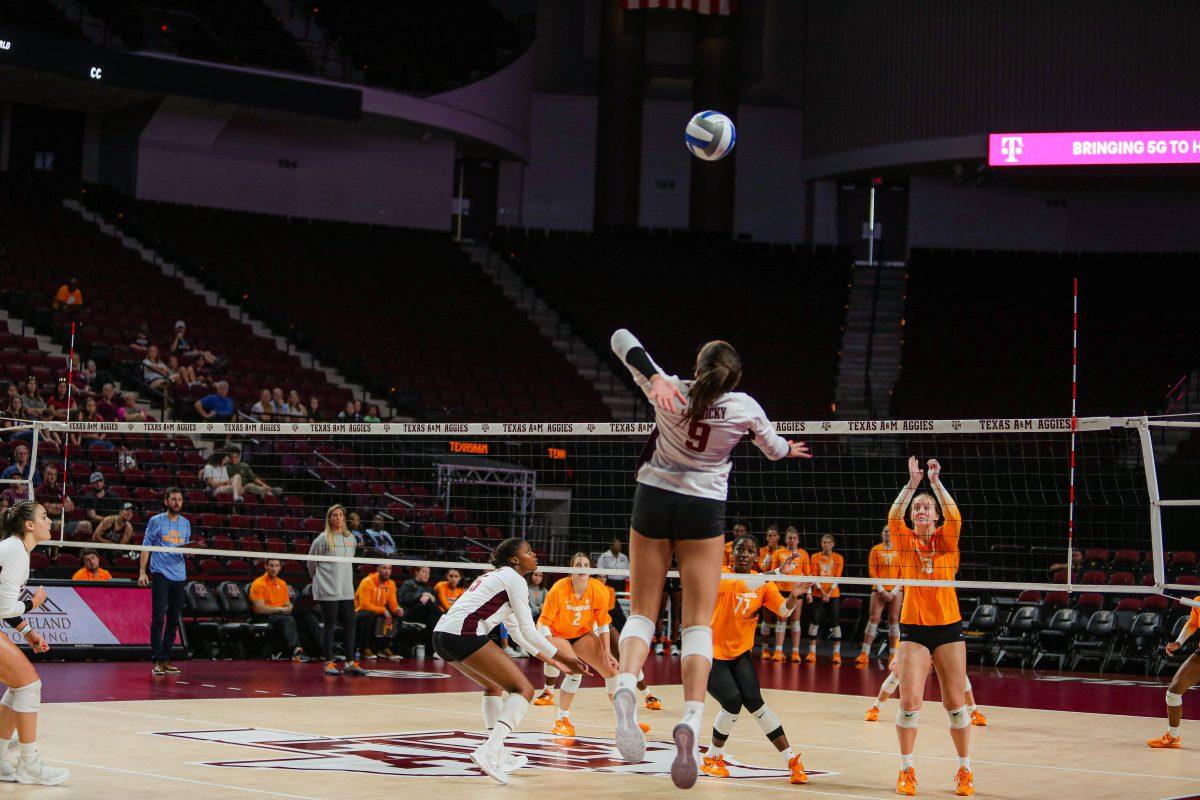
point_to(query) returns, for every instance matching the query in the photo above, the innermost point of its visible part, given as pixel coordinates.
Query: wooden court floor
(411, 745)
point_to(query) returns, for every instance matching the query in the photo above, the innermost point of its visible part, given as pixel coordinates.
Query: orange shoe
(837, 659)
(563, 727)
(906, 783)
(796, 657)
(766, 654)
(978, 719)
(715, 767)
(546, 698)
(798, 774)
(653, 703)
(811, 658)
(872, 714)
(964, 782)
(645, 728)
(777, 657)
(1167, 742)
(862, 660)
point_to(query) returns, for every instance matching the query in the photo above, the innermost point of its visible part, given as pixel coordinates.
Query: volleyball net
(443, 494)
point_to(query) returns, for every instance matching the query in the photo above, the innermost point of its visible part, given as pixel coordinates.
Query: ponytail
(506, 551)
(718, 370)
(12, 523)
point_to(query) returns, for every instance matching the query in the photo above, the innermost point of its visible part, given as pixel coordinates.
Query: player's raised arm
(953, 524)
(648, 375)
(771, 443)
(896, 512)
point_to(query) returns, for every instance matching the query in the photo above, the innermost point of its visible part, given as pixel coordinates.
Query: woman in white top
(461, 639)
(155, 373)
(217, 480)
(23, 527)
(679, 508)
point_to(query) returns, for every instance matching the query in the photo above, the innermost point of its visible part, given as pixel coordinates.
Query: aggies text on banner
(720, 7)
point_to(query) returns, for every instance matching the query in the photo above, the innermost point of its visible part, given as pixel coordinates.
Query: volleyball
(710, 135)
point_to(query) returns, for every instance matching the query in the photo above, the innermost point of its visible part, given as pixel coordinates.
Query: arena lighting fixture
(1093, 148)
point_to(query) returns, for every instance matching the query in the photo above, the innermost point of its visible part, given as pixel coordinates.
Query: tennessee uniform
(828, 565)
(1185, 677)
(799, 566)
(883, 565)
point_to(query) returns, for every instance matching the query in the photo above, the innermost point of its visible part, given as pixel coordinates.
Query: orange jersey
(375, 595)
(1194, 617)
(570, 616)
(83, 575)
(937, 561)
(800, 566)
(884, 564)
(766, 558)
(736, 615)
(445, 595)
(829, 566)
(269, 592)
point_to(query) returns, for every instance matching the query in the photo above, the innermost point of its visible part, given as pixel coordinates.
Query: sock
(965, 763)
(692, 711)
(1173, 731)
(491, 710)
(837, 648)
(646, 692)
(28, 751)
(866, 647)
(907, 761)
(627, 680)
(714, 751)
(875, 704)
(788, 755)
(564, 713)
(972, 709)
(812, 646)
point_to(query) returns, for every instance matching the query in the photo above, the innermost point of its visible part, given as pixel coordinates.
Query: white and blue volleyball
(710, 135)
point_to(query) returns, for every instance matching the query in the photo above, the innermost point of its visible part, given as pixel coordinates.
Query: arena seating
(783, 308)
(41, 16)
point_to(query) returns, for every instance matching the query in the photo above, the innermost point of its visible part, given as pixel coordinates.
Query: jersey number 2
(578, 617)
(698, 436)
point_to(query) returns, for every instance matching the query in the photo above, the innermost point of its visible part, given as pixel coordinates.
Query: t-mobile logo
(1010, 148)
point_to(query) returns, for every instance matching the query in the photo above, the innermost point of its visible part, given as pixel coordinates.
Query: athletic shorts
(618, 617)
(456, 646)
(931, 637)
(661, 514)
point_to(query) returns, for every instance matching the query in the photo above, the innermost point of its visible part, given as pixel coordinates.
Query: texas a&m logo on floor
(446, 753)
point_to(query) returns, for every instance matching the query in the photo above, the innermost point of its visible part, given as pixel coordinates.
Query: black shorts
(456, 646)
(618, 617)
(661, 514)
(931, 637)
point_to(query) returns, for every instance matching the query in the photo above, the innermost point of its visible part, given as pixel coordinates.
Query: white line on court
(184, 780)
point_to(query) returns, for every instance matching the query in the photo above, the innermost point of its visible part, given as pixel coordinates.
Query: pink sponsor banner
(1089, 148)
(98, 614)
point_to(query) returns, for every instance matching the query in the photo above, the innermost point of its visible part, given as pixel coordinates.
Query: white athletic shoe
(486, 760)
(674, 650)
(658, 648)
(7, 773)
(684, 769)
(37, 771)
(511, 762)
(631, 741)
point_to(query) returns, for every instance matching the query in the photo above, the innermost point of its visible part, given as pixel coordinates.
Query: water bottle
(420, 651)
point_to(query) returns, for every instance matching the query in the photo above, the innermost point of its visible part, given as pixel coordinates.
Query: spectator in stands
(100, 502)
(20, 467)
(298, 411)
(241, 470)
(88, 374)
(50, 495)
(91, 413)
(279, 406)
(91, 569)
(372, 414)
(270, 600)
(613, 558)
(449, 589)
(184, 374)
(141, 343)
(31, 398)
(129, 412)
(155, 374)
(261, 410)
(68, 297)
(168, 529)
(333, 588)
(381, 541)
(16, 415)
(315, 414)
(537, 592)
(125, 459)
(11, 392)
(1076, 565)
(216, 407)
(216, 478)
(420, 604)
(62, 403)
(106, 404)
(347, 413)
(183, 348)
(358, 411)
(375, 599)
(116, 528)
(354, 523)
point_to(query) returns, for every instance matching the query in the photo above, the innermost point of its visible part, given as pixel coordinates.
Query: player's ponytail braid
(13, 521)
(718, 370)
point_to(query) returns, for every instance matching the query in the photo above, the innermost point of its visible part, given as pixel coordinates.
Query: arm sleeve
(766, 439)
(389, 599)
(363, 600)
(518, 600)
(873, 569)
(317, 548)
(774, 599)
(550, 604)
(627, 348)
(1188, 629)
(409, 593)
(10, 588)
(152, 536)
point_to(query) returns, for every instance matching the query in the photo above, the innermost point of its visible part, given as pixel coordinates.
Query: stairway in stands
(871, 340)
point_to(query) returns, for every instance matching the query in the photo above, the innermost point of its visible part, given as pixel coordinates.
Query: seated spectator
(354, 525)
(106, 403)
(68, 297)
(91, 413)
(448, 590)
(126, 459)
(11, 393)
(20, 467)
(50, 495)
(91, 569)
(183, 348)
(279, 406)
(62, 403)
(184, 374)
(348, 414)
(117, 528)
(241, 470)
(16, 416)
(141, 343)
(217, 481)
(1076, 565)
(315, 413)
(85, 373)
(155, 374)
(380, 540)
(298, 411)
(537, 592)
(420, 604)
(32, 400)
(376, 613)
(100, 502)
(372, 414)
(270, 600)
(129, 412)
(217, 407)
(261, 410)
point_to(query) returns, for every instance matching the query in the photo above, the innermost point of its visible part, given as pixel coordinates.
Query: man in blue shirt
(168, 529)
(216, 407)
(381, 540)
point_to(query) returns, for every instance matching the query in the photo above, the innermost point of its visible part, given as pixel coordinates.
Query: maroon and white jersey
(494, 597)
(693, 458)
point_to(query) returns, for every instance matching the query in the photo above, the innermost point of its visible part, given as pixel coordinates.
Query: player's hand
(783, 568)
(36, 642)
(915, 473)
(143, 579)
(798, 450)
(612, 662)
(39, 597)
(935, 470)
(824, 598)
(572, 665)
(798, 590)
(1172, 647)
(664, 393)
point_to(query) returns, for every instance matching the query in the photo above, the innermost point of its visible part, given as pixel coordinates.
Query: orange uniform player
(732, 681)
(448, 590)
(827, 599)
(883, 565)
(1185, 678)
(766, 559)
(789, 560)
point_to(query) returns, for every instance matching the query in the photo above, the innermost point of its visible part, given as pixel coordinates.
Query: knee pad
(891, 683)
(610, 684)
(813, 630)
(571, 683)
(724, 721)
(894, 630)
(835, 632)
(550, 671)
(959, 718)
(638, 627)
(780, 627)
(1173, 700)
(907, 719)
(7, 699)
(870, 629)
(27, 699)
(797, 627)
(696, 641)
(768, 722)
(967, 688)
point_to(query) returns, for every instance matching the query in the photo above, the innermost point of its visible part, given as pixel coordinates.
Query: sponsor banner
(1091, 148)
(447, 753)
(90, 616)
(502, 429)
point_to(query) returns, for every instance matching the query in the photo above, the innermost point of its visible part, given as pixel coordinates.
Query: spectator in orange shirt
(449, 590)
(68, 296)
(271, 600)
(375, 600)
(91, 570)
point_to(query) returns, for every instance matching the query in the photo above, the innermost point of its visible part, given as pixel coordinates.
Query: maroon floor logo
(445, 753)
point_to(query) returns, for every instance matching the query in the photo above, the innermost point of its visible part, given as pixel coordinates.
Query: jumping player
(733, 682)
(797, 563)
(827, 599)
(679, 508)
(1187, 676)
(883, 564)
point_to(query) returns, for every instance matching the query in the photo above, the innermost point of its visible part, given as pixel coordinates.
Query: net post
(1156, 538)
